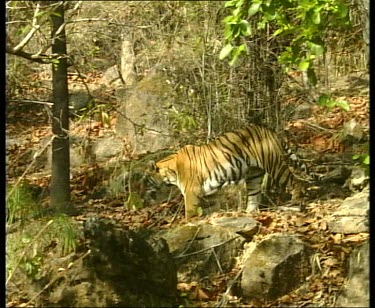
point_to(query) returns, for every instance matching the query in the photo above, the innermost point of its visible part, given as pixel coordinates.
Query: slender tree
(60, 182)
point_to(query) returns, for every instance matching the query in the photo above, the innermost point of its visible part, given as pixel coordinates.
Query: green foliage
(27, 246)
(181, 121)
(22, 203)
(65, 232)
(325, 100)
(364, 161)
(303, 22)
(135, 201)
(100, 112)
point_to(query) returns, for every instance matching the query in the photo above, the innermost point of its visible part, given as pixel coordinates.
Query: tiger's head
(163, 171)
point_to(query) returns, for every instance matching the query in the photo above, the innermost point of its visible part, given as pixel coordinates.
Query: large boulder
(274, 267)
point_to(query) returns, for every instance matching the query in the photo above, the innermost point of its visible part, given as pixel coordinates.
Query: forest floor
(29, 124)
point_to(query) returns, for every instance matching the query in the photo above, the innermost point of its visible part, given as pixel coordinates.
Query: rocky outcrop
(123, 269)
(274, 267)
(143, 115)
(203, 250)
(356, 292)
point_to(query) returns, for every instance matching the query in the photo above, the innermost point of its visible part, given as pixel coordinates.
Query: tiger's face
(163, 171)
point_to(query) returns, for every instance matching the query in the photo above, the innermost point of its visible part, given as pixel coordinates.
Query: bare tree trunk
(60, 182)
(365, 10)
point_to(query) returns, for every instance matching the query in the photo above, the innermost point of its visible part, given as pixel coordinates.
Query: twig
(26, 249)
(208, 248)
(31, 101)
(217, 261)
(191, 242)
(224, 299)
(315, 126)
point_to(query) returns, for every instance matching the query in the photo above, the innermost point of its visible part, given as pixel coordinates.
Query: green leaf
(199, 211)
(304, 65)
(230, 3)
(315, 17)
(316, 49)
(234, 60)
(228, 32)
(135, 201)
(225, 52)
(239, 3)
(245, 28)
(356, 156)
(241, 48)
(342, 10)
(236, 11)
(228, 19)
(269, 11)
(366, 160)
(344, 105)
(323, 99)
(277, 32)
(254, 8)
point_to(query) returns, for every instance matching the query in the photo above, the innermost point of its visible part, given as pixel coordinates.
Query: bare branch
(35, 58)
(34, 28)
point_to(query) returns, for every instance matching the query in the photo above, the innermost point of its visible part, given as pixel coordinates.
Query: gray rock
(302, 111)
(352, 132)
(106, 148)
(358, 179)
(356, 292)
(274, 267)
(352, 215)
(143, 117)
(201, 251)
(245, 226)
(111, 76)
(338, 175)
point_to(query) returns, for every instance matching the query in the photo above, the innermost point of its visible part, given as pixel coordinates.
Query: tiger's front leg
(191, 204)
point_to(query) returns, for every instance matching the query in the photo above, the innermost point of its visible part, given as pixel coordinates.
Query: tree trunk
(60, 182)
(365, 10)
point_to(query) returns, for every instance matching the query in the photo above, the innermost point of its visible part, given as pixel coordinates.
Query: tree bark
(60, 181)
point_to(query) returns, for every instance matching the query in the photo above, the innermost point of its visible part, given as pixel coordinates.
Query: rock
(357, 288)
(352, 132)
(358, 179)
(338, 175)
(302, 111)
(137, 268)
(144, 115)
(274, 267)
(352, 215)
(245, 226)
(111, 76)
(79, 97)
(127, 60)
(77, 158)
(202, 250)
(106, 148)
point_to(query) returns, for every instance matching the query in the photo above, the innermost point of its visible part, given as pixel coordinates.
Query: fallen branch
(205, 249)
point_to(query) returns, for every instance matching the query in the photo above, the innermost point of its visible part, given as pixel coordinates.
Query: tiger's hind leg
(254, 188)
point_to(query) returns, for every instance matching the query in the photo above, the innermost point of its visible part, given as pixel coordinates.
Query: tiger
(242, 156)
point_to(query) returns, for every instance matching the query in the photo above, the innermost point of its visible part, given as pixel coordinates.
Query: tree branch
(28, 56)
(29, 35)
